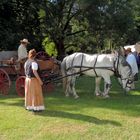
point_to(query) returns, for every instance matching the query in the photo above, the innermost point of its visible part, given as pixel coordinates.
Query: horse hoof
(76, 97)
(106, 96)
(97, 94)
(67, 95)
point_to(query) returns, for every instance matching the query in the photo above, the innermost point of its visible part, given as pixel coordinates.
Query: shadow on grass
(79, 117)
(13, 101)
(128, 104)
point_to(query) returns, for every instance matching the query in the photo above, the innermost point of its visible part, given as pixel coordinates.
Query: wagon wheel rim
(20, 86)
(42, 55)
(48, 88)
(5, 82)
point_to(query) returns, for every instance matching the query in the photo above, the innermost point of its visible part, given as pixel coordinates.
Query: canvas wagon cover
(7, 55)
(134, 48)
(137, 47)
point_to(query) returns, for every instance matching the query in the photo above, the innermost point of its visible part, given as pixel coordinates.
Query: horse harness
(116, 72)
(113, 69)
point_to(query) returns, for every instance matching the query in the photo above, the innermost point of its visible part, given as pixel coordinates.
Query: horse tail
(64, 73)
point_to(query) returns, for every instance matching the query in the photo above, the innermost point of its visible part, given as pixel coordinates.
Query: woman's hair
(32, 53)
(128, 49)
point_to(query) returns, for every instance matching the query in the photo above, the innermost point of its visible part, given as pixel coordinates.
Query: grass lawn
(86, 118)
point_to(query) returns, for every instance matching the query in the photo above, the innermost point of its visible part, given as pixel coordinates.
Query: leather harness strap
(114, 68)
(81, 63)
(116, 65)
(73, 60)
(94, 66)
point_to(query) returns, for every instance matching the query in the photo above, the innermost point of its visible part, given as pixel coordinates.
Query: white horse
(97, 65)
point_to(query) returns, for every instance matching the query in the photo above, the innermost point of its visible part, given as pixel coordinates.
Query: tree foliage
(73, 25)
(110, 21)
(19, 19)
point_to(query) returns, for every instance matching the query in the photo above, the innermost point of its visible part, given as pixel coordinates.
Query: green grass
(87, 118)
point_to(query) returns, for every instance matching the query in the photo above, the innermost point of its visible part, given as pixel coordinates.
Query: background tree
(73, 25)
(19, 19)
(134, 33)
(110, 21)
(49, 47)
(8, 25)
(58, 21)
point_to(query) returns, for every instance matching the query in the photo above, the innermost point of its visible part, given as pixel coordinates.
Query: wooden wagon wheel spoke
(4, 89)
(20, 86)
(5, 82)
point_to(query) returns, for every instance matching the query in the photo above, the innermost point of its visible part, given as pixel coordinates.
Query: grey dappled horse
(97, 65)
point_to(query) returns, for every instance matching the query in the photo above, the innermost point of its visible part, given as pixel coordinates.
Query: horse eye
(129, 82)
(124, 63)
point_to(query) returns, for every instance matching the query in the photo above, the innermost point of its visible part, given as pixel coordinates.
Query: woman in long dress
(33, 84)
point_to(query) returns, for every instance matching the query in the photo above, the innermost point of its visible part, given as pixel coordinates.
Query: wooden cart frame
(49, 69)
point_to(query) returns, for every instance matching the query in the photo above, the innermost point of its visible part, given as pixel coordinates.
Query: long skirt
(33, 95)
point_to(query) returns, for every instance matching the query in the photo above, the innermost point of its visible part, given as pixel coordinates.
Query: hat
(24, 41)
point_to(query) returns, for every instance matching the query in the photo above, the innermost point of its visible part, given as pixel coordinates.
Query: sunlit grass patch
(89, 117)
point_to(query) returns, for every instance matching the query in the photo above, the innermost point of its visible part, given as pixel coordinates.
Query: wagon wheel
(48, 88)
(42, 55)
(20, 86)
(5, 82)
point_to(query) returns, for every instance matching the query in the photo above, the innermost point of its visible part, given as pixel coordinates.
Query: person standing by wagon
(131, 59)
(33, 84)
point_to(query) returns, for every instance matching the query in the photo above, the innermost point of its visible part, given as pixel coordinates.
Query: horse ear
(122, 51)
(116, 53)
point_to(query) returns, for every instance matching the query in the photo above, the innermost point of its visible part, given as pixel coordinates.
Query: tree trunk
(60, 49)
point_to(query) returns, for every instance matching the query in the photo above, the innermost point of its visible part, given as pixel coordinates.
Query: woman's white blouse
(34, 66)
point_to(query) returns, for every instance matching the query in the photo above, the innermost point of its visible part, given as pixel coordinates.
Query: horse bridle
(116, 71)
